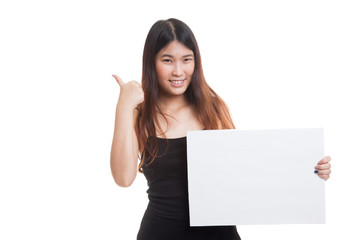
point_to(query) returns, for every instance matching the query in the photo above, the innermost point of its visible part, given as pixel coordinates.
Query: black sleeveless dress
(167, 214)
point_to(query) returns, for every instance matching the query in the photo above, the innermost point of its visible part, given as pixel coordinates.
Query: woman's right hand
(125, 148)
(131, 93)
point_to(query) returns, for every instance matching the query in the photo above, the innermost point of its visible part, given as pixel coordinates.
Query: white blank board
(255, 177)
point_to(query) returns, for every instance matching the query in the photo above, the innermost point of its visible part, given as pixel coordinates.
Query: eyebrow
(171, 56)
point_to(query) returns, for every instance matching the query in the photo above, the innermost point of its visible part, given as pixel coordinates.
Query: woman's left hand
(322, 169)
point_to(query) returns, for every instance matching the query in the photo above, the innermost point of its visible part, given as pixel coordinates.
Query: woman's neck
(172, 103)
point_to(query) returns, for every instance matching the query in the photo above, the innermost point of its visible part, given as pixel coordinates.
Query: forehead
(175, 48)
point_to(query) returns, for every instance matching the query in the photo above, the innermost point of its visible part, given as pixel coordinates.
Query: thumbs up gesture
(131, 93)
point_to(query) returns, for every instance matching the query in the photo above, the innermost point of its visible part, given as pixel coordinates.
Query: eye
(188, 59)
(166, 60)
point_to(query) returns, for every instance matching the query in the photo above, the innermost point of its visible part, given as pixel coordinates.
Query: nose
(177, 71)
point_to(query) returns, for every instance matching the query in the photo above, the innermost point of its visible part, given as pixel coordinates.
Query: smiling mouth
(177, 82)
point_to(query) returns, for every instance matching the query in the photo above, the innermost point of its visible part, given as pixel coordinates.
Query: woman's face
(174, 67)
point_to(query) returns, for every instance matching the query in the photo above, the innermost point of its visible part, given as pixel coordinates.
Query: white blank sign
(255, 177)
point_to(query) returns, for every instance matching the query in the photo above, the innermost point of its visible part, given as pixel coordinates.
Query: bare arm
(125, 147)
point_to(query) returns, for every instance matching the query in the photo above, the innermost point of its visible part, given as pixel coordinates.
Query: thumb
(118, 80)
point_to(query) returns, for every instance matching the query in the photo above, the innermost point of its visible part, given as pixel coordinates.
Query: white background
(278, 64)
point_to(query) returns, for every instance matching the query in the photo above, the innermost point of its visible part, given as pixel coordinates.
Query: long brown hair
(212, 112)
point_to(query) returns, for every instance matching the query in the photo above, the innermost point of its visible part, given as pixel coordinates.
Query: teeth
(177, 82)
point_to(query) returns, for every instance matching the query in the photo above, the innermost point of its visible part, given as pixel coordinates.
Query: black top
(167, 179)
(167, 214)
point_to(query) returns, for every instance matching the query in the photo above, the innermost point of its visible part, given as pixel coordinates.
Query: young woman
(151, 122)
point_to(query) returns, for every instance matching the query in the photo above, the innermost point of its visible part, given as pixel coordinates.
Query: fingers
(323, 172)
(322, 169)
(326, 159)
(323, 166)
(118, 80)
(324, 176)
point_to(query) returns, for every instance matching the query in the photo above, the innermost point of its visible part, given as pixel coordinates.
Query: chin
(173, 92)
